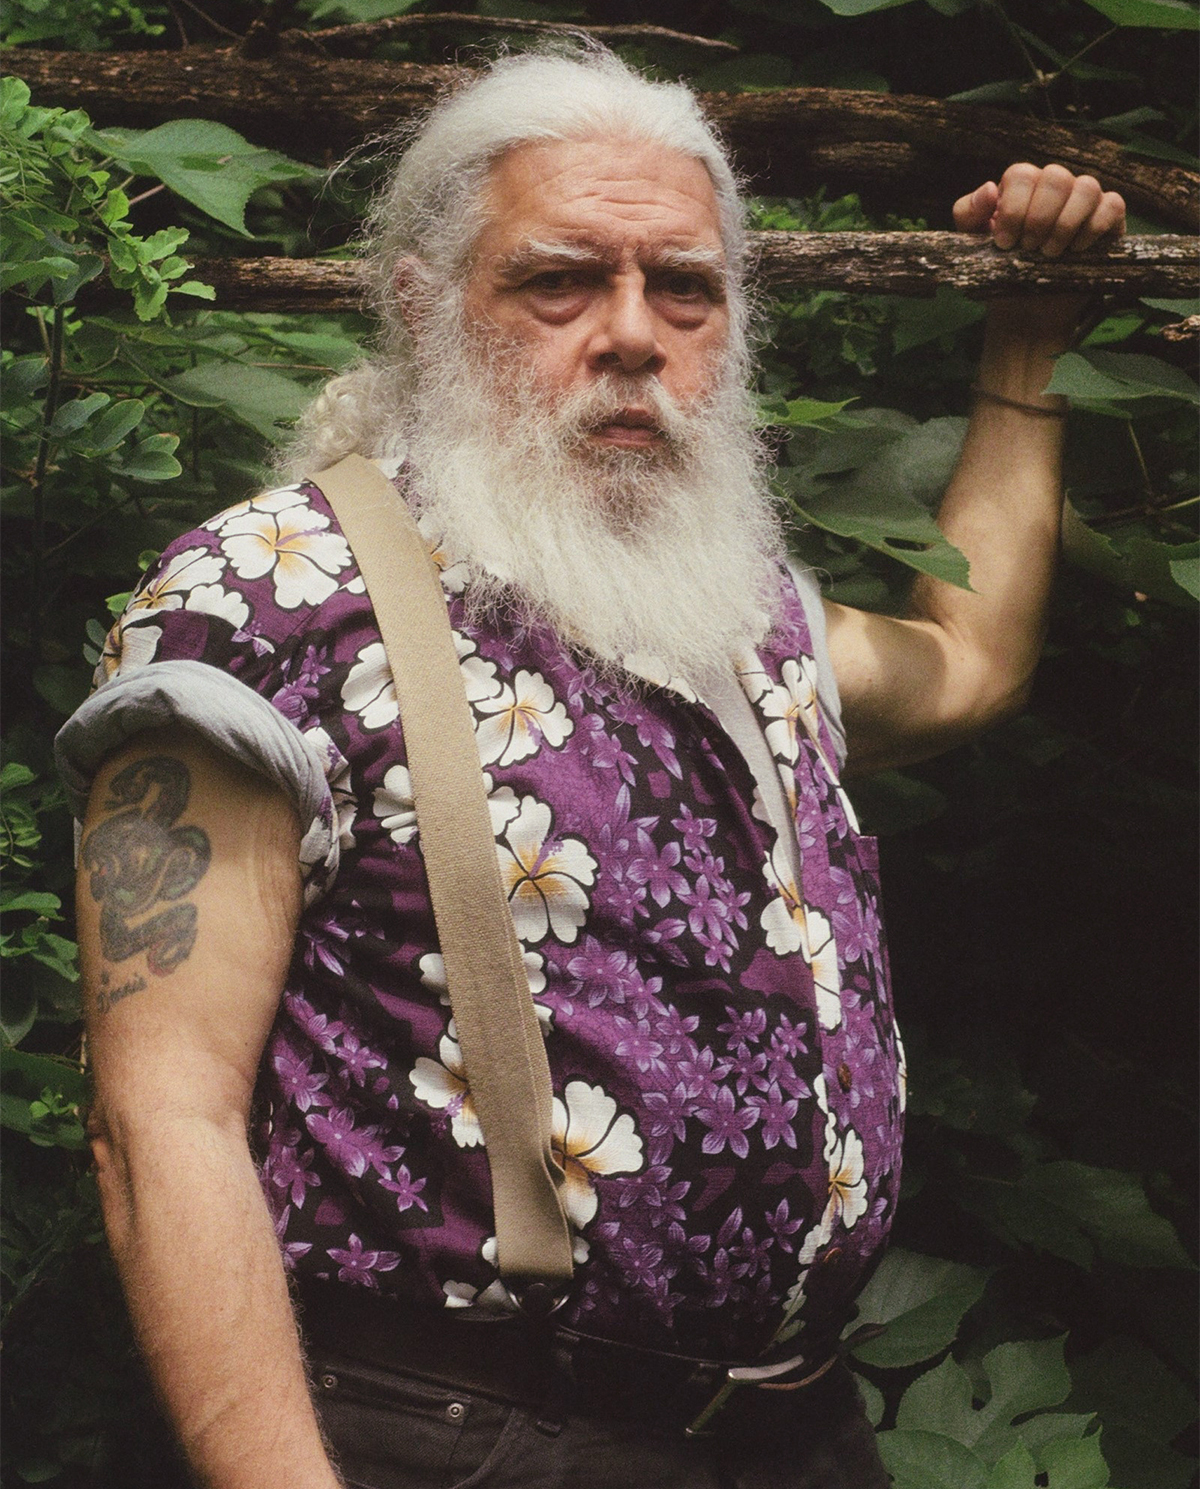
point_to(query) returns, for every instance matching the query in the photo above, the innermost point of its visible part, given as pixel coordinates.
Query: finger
(1016, 190)
(1108, 220)
(973, 212)
(1050, 195)
(1083, 200)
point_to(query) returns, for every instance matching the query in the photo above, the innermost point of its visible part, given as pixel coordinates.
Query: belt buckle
(763, 1376)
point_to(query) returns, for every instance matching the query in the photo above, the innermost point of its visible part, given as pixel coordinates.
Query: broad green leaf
(1075, 1464)
(39, 1071)
(1178, 308)
(1136, 1461)
(208, 164)
(111, 427)
(30, 899)
(361, 10)
(925, 1460)
(940, 1401)
(71, 416)
(889, 522)
(1129, 1385)
(919, 322)
(196, 288)
(860, 7)
(873, 1401)
(1016, 1470)
(1110, 1209)
(799, 413)
(151, 459)
(256, 396)
(1054, 1426)
(1171, 15)
(1186, 574)
(922, 1300)
(1023, 1376)
(1115, 382)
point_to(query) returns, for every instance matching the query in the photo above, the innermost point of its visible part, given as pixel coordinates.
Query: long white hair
(431, 210)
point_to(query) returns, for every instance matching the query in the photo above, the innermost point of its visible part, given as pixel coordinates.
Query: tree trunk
(873, 263)
(908, 152)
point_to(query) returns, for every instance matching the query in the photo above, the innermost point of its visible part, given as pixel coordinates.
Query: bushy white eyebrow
(532, 253)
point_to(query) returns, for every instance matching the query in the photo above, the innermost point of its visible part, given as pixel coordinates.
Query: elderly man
(662, 710)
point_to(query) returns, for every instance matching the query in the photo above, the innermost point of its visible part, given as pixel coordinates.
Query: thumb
(973, 212)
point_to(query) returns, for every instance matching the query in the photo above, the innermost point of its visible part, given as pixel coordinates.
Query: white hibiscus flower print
(369, 691)
(132, 642)
(479, 677)
(792, 926)
(169, 588)
(791, 706)
(275, 500)
(589, 1139)
(752, 675)
(432, 967)
(289, 541)
(901, 1070)
(518, 718)
(444, 1087)
(546, 880)
(453, 572)
(847, 1183)
(394, 806)
(227, 604)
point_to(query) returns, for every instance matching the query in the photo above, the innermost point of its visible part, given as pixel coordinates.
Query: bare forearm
(196, 1251)
(1003, 508)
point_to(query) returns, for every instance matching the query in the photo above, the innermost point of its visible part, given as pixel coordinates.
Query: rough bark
(904, 148)
(358, 38)
(877, 263)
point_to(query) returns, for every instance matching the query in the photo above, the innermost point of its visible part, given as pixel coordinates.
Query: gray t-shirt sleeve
(231, 717)
(828, 697)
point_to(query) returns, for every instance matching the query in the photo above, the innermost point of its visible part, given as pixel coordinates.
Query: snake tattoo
(138, 858)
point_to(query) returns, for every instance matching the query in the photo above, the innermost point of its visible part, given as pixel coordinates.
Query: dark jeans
(393, 1431)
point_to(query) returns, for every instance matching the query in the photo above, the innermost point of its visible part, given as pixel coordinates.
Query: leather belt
(541, 1366)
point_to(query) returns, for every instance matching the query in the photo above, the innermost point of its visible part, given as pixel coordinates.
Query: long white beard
(670, 553)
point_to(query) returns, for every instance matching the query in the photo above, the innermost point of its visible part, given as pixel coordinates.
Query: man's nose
(626, 335)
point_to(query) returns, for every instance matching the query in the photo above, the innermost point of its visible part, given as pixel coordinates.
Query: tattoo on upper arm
(138, 859)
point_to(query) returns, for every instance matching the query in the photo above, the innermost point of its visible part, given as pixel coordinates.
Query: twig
(362, 35)
(208, 20)
(49, 408)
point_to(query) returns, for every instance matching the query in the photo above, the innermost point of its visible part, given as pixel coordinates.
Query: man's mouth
(630, 429)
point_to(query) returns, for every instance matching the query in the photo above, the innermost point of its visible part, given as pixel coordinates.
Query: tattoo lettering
(138, 859)
(110, 995)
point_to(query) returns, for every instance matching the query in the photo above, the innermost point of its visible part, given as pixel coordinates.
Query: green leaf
(940, 1401)
(46, 1071)
(1186, 574)
(1023, 1376)
(799, 413)
(922, 1301)
(1128, 1385)
(112, 427)
(1172, 15)
(253, 395)
(891, 523)
(1116, 382)
(1016, 1470)
(30, 899)
(925, 1460)
(1075, 1464)
(860, 7)
(151, 459)
(918, 322)
(196, 288)
(71, 416)
(1165, 571)
(208, 164)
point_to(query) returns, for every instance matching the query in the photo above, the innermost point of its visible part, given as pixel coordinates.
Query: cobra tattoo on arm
(138, 859)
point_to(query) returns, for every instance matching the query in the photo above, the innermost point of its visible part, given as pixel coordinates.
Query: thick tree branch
(911, 153)
(358, 39)
(875, 263)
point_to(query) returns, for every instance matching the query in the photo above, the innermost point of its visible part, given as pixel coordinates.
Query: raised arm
(958, 661)
(188, 901)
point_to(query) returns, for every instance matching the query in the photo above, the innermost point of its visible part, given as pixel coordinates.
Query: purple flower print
(669, 1113)
(658, 873)
(607, 975)
(298, 1081)
(727, 1123)
(638, 1044)
(748, 1067)
(359, 1266)
(693, 829)
(603, 749)
(700, 1073)
(782, 1226)
(349, 1147)
(320, 1028)
(406, 1189)
(357, 1059)
(290, 1251)
(744, 1028)
(675, 1030)
(776, 1116)
(289, 1170)
(651, 732)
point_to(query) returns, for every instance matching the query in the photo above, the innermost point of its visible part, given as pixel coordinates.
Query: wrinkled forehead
(608, 190)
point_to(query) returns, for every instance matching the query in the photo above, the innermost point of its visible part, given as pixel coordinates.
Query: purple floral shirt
(728, 1082)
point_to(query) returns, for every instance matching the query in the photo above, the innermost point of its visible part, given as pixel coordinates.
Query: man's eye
(557, 282)
(684, 286)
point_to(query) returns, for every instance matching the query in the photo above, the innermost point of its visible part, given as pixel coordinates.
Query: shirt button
(845, 1079)
(329, 1382)
(455, 1411)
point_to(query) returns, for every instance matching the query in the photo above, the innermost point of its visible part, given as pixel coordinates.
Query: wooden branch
(910, 152)
(872, 263)
(357, 39)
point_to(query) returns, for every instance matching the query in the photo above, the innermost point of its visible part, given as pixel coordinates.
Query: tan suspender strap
(503, 1053)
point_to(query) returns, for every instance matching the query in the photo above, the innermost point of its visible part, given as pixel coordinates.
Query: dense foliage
(1040, 1298)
